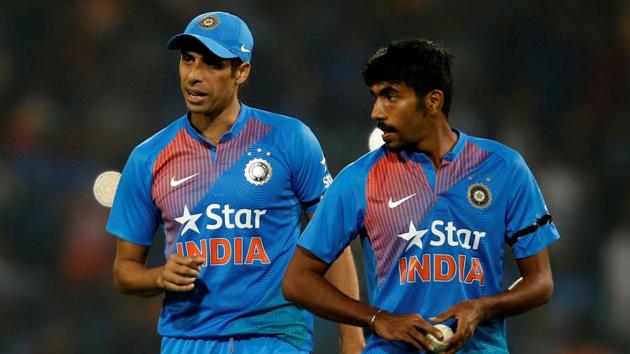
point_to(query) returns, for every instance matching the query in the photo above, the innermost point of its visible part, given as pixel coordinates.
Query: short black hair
(418, 63)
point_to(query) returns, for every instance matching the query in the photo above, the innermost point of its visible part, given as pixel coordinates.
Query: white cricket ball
(438, 345)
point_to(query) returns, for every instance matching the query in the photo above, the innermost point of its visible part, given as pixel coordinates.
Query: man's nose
(377, 111)
(195, 72)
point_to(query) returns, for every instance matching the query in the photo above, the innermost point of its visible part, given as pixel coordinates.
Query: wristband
(373, 319)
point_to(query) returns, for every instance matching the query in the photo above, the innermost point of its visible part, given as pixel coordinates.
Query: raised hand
(179, 273)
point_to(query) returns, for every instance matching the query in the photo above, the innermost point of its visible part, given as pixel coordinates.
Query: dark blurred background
(84, 81)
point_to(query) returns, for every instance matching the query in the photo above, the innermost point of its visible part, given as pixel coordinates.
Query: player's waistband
(229, 345)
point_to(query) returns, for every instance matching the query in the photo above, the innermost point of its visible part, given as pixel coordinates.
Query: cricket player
(434, 208)
(229, 184)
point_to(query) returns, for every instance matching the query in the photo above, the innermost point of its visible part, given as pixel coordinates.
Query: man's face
(396, 112)
(207, 81)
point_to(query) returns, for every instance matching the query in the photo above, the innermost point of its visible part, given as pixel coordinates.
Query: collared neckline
(239, 123)
(450, 156)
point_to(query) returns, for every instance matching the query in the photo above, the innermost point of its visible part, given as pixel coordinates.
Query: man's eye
(214, 64)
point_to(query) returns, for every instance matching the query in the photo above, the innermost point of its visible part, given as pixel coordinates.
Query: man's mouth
(387, 136)
(388, 132)
(195, 96)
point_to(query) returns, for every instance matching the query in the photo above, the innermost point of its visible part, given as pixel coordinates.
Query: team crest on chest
(479, 195)
(258, 171)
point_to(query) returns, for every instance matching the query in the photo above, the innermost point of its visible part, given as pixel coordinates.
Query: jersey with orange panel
(434, 238)
(237, 204)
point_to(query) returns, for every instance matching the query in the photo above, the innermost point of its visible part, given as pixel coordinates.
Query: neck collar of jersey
(451, 155)
(239, 123)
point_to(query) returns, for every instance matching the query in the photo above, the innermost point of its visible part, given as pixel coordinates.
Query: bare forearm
(326, 300)
(535, 288)
(133, 278)
(531, 292)
(309, 288)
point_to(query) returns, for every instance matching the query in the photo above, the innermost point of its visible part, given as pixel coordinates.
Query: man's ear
(242, 73)
(433, 101)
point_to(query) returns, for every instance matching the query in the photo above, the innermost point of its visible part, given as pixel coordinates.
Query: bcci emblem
(258, 171)
(209, 22)
(479, 195)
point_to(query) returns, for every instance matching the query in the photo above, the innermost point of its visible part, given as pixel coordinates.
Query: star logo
(188, 220)
(414, 235)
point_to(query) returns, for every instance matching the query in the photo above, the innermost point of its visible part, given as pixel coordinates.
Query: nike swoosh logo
(245, 50)
(177, 182)
(392, 205)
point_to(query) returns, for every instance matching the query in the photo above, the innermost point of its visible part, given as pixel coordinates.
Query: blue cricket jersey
(238, 205)
(433, 238)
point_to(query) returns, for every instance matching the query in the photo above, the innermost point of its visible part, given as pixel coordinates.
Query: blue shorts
(251, 345)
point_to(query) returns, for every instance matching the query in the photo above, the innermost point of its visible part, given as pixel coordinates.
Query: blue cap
(222, 33)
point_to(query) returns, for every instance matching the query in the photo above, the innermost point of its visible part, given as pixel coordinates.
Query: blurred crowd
(84, 81)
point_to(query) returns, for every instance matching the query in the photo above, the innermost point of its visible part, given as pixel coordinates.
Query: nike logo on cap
(392, 205)
(245, 50)
(177, 182)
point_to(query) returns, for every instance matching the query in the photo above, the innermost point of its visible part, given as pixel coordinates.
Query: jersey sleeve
(134, 217)
(310, 174)
(529, 225)
(338, 219)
